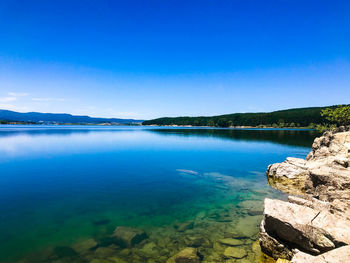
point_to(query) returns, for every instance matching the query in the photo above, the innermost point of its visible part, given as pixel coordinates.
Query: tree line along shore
(291, 118)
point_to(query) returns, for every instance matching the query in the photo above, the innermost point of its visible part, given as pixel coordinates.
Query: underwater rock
(253, 207)
(116, 260)
(99, 260)
(218, 247)
(187, 255)
(248, 226)
(197, 241)
(63, 253)
(213, 257)
(224, 218)
(181, 227)
(84, 246)
(149, 250)
(256, 252)
(125, 252)
(235, 252)
(231, 242)
(104, 252)
(129, 236)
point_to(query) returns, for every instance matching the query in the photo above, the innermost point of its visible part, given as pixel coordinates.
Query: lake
(64, 190)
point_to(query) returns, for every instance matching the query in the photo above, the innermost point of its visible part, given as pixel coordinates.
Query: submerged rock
(129, 236)
(253, 207)
(231, 242)
(99, 260)
(248, 226)
(85, 246)
(197, 241)
(235, 252)
(149, 250)
(116, 260)
(62, 252)
(104, 252)
(181, 227)
(187, 255)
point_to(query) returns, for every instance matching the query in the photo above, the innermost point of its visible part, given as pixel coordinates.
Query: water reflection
(295, 137)
(282, 136)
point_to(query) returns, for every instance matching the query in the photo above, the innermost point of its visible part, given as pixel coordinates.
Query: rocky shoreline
(314, 224)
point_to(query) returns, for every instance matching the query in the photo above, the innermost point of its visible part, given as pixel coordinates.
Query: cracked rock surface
(314, 224)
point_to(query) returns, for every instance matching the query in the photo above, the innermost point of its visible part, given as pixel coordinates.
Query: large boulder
(272, 246)
(301, 226)
(338, 255)
(288, 176)
(128, 236)
(317, 222)
(331, 144)
(324, 173)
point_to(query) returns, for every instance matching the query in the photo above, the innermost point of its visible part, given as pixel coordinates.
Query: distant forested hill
(300, 117)
(37, 117)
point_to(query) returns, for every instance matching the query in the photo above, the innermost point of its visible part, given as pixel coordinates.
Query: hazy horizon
(145, 60)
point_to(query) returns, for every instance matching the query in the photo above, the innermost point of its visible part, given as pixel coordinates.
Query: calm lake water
(63, 185)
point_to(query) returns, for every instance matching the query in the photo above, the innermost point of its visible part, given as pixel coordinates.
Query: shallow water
(62, 185)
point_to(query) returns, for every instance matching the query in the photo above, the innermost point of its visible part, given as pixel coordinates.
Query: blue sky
(146, 59)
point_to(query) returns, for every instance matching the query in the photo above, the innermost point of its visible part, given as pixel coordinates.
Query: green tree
(339, 115)
(211, 123)
(312, 125)
(223, 122)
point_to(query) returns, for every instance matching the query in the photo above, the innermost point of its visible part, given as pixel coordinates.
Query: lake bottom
(222, 225)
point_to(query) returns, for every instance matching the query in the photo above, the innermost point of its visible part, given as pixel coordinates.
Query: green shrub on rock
(339, 115)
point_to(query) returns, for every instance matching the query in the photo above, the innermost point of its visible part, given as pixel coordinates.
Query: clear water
(61, 185)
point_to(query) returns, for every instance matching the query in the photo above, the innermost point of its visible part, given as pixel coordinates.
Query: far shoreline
(12, 124)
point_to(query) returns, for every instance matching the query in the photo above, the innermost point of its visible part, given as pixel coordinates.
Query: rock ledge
(314, 224)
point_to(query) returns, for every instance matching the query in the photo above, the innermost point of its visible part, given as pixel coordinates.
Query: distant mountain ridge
(38, 117)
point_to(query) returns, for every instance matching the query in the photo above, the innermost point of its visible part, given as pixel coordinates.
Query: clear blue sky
(146, 59)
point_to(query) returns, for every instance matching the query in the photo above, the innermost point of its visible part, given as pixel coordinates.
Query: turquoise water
(62, 185)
